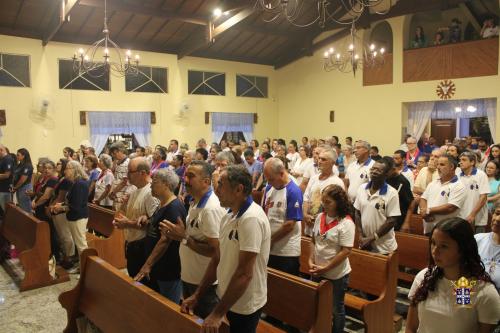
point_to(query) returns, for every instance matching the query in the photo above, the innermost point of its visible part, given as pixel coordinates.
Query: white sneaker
(52, 267)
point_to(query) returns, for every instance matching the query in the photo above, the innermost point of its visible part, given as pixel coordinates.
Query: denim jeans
(339, 290)
(171, 289)
(239, 323)
(206, 303)
(23, 199)
(4, 198)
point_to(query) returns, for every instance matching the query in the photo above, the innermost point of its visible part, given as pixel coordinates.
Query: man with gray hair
(222, 160)
(241, 268)
(200, 237)
(358, 173)
(6, 172)
(283, 206)
(312, 194)
(140, 206)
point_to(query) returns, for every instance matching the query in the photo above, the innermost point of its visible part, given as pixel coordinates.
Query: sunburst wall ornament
(445, 89)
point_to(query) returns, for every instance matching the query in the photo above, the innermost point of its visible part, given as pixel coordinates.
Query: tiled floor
(39, 311)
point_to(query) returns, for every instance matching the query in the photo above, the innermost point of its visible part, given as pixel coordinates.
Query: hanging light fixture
(86, 61)
(294, 11)
(353, 55)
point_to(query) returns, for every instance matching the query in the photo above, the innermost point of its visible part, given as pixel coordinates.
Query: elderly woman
(104, 182)
(159, 159)
(76, 208)
(162, 267)
(214, 150)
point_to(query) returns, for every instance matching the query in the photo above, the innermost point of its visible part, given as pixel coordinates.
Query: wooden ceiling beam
(58, 19)
(212, 31)
(141, 10)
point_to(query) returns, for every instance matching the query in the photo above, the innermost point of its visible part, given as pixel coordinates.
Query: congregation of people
(202, 225)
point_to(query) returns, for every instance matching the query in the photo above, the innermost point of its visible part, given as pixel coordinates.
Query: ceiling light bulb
(331, 50)
(471, 108)
(372, 47)
(217, 12)
(128, 53)
(351, 47)
(80, 50)
(458, 109)
(382, 50)
(86, 58)
(137, 57)
(326, 54)
(338, 55)
(356, 57)
(106, 51)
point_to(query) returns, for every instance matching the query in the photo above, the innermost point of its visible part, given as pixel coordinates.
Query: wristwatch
(184, 241)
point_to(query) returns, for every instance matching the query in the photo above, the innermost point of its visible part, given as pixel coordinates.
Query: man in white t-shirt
(312, 194)
(377, 210)
(140, 206)
(200, 238)
(358, 173)
(428, 173)
(283, 207)
(245, 240)
(313, 168)
(444, 196)
(173, 150)
(477, 188)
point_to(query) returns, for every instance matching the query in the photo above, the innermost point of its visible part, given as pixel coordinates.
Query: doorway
(443, 129)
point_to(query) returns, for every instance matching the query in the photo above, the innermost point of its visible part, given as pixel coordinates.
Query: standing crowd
(201, 226)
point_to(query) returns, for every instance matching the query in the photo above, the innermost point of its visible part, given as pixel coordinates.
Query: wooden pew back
(112, 248)
(101, 220)
(21, 228)
(369, 272)
(413, 251)
(115, 303)
(416, 224)
(31, 238)
(300, 303)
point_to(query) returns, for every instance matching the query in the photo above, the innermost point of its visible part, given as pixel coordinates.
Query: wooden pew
(413, 252)
(31, 238)
(111, 247)
(371, 273)
(416, 224)
(116, 304)
(301, 303)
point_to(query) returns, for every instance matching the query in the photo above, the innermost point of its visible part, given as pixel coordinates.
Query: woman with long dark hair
(493, 172)
(332, 241)
(434, 294)
(22, 179)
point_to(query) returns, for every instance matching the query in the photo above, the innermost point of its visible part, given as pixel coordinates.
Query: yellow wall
(48, 138)
(307, 93)
(300, 98)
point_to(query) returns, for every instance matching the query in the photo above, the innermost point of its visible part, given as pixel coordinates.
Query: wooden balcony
(379, 75)
(451, 61)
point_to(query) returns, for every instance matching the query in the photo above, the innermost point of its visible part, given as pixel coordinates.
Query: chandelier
(86, 62)
(294, 11)
(354, 54)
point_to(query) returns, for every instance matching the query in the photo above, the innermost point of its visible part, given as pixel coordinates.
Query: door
(443, 129)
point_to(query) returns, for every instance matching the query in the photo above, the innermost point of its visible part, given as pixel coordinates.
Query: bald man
(283, 207)
(140, 206)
